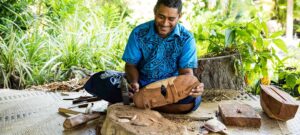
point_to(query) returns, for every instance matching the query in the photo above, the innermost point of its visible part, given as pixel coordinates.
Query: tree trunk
(220, 72)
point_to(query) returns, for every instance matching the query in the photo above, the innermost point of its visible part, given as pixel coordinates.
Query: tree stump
(220, 72)
(129, 120)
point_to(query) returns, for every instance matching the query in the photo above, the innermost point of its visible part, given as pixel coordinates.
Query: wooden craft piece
(277, 104)
(236, 114)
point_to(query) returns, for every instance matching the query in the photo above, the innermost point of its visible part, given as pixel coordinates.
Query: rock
(129, 120)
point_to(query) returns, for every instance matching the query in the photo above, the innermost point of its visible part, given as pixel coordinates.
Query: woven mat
(25, 112)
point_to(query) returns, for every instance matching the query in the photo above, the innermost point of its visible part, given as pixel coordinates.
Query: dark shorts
(106, 85)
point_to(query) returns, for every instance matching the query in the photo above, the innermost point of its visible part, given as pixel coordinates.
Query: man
(161, 49)
(156, 50)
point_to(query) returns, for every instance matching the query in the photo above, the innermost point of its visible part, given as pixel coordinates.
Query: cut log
(235, 114)
(129, 120)
(220, 72)
(277, 104)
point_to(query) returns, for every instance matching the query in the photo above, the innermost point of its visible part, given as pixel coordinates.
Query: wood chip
(153, 120)
(125, 117)
(140, 123)
(134, 117)
(123, 120)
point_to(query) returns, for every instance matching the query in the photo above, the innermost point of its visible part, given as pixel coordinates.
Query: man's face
(166, 19)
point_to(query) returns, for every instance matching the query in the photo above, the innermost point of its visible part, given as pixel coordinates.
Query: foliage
(86, 34)
(11, 15)
(289, 80)
(239, 31)
(40, 41)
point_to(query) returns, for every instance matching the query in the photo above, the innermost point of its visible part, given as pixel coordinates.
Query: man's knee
(176, 108)
(105, 85)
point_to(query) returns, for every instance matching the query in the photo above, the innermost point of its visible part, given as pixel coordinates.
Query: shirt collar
(152, 32)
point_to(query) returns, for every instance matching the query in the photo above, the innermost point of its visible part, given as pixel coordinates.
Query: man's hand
(132, 76)
(134, 87)
(197, 91)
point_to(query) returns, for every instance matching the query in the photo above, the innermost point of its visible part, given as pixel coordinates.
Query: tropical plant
(85, 34)
(289, 80)
(243, 32)
(11, 15)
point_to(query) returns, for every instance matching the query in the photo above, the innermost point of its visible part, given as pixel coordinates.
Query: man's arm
(186, 71)
(132, 76)
(197, 91)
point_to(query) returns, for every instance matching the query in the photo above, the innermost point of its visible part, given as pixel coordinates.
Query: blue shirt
(158, 58)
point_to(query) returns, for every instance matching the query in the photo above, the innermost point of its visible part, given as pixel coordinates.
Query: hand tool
(88, 109)
(67, 111)
(125, 91)
(90, 99)
(79, 106)
(77, 98)
(79, 119)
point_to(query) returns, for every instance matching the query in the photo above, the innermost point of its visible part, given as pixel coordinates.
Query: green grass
(92, 36)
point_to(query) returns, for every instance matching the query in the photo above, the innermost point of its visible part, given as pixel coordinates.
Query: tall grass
(89, 35)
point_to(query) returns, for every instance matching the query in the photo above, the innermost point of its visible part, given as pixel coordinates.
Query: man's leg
(105, 85)
(185, 105)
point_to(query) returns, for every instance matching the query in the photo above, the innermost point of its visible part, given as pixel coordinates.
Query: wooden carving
(277, 104)
(235, 114)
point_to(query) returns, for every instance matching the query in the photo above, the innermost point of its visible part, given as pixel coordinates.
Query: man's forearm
(186, 71)
(132, 73)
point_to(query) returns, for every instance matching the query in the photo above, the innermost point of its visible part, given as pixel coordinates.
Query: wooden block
(277, 104)
(236, 114)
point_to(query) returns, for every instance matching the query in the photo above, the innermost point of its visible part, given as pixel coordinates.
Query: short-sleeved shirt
(158, 58)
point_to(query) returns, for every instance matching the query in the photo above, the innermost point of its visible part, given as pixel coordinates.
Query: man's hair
(169, 3)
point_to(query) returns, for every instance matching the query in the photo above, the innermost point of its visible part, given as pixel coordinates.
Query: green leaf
(266, 43)
(265, 72)
(265, 28)
(280, 44)
(229, 36)
(291, 80)
(276, 34)
(259, 43)
(242, 34)
(298, 81)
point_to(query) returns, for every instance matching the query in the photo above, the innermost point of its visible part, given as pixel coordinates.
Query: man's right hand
(135, 87)
(133, 77)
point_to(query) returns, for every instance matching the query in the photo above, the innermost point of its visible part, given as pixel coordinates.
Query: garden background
(43, 41)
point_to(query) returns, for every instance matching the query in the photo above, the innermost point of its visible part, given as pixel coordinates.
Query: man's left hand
(197, 91)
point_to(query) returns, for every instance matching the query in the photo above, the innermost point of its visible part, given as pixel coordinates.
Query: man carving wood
(156, 50)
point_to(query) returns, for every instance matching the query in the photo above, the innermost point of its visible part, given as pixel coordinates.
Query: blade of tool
(125, 91)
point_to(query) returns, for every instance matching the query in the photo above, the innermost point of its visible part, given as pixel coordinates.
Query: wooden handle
(67, 111)
(79, 119)
(91, 99)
